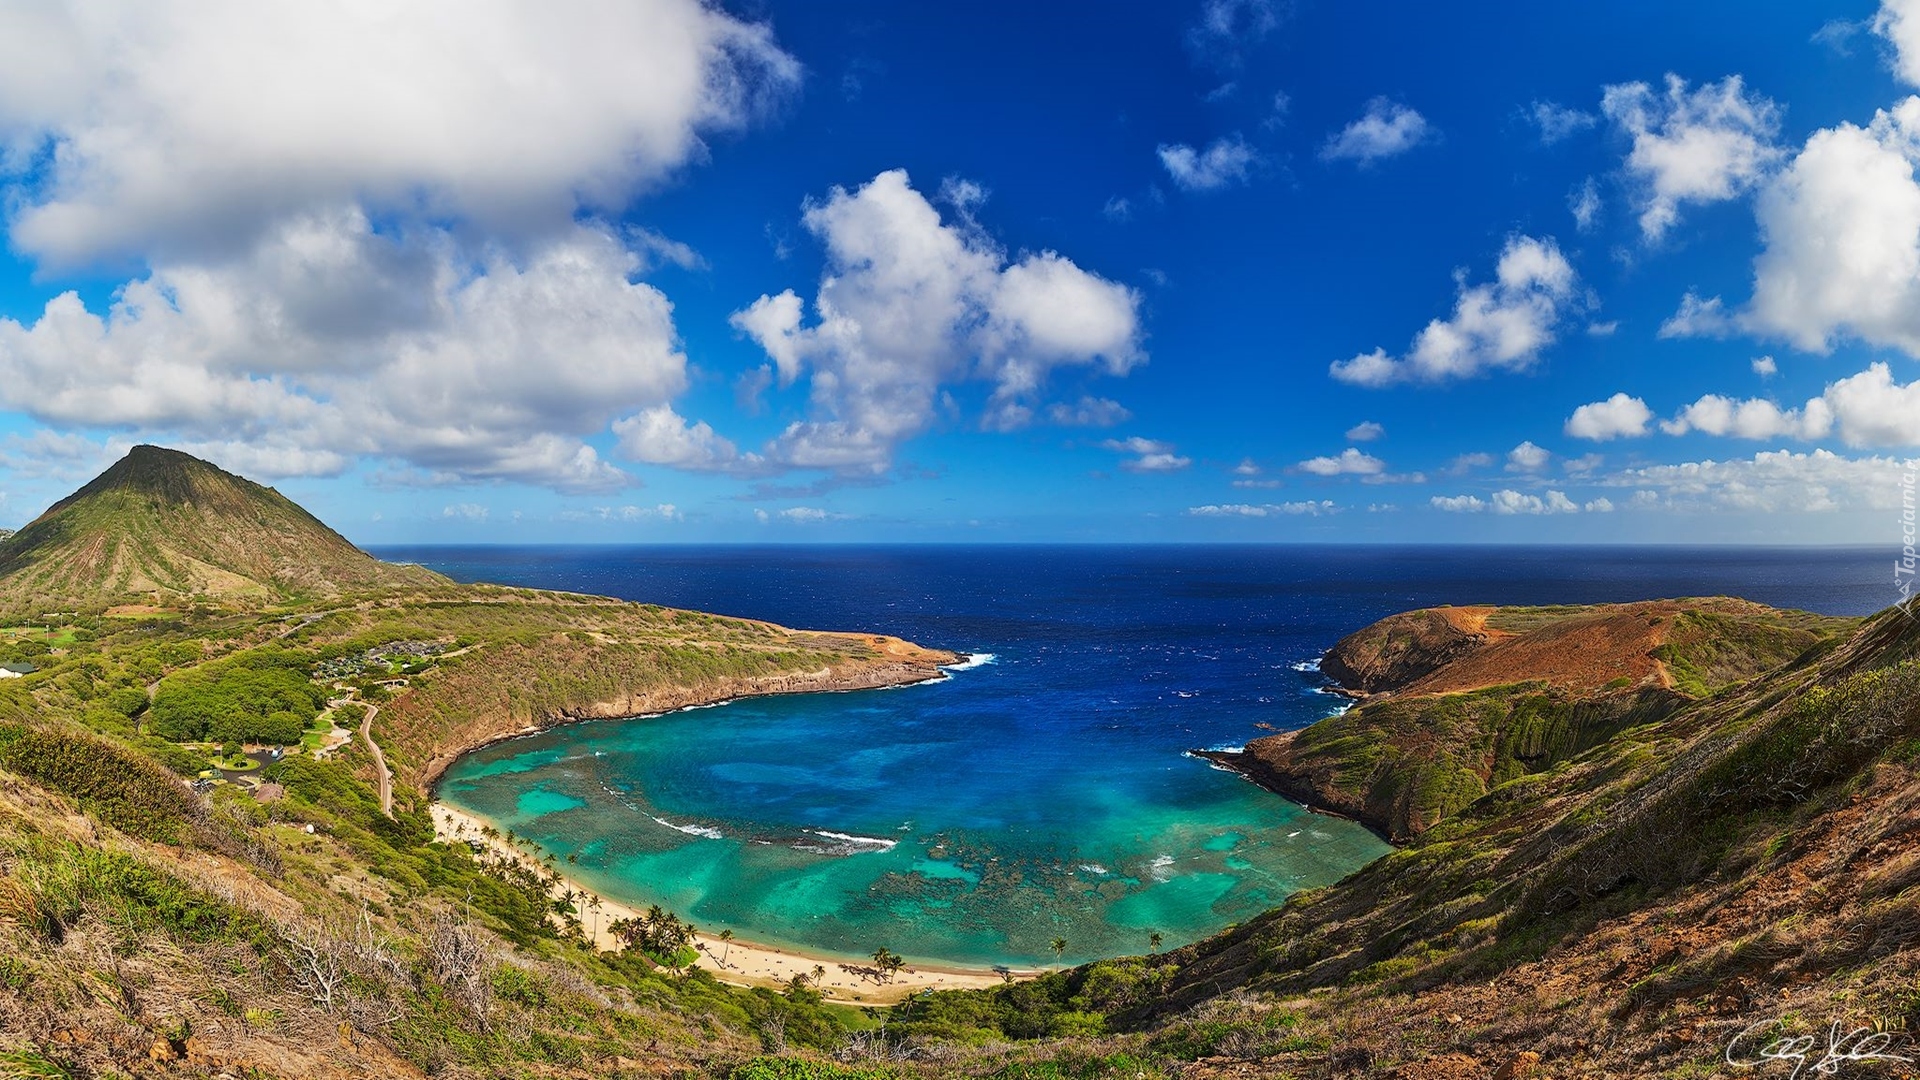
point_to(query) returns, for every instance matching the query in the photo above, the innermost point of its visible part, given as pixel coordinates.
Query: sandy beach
(738, 962)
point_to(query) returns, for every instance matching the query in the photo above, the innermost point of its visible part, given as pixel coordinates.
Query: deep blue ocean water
(1044, 794)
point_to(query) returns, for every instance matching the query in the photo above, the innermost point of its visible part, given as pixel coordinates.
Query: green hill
(165, 525)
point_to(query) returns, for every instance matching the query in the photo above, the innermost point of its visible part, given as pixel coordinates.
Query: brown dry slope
(1458, 700)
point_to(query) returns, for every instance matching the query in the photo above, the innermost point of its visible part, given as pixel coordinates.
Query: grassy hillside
(1465, 699)
(162, 524)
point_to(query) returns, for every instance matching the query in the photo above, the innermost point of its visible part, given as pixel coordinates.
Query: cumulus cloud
(1387, 129)
(1365, 431)
(1309, 509)
(1557, 122)
(1691, 146)
(1698, 317)
(1619, 416)
(1869, 409)
(1528, 458)
(1841, 225)
(1508, 501)
(332, 340)
(1898, 21)
(482, 331)
(1751, 419)
(908, 303)
(175, 130)
(1224, 162)
(1765, 367)
(661, 436)
(1773, 481)
(1497, 325)
(1350, 462)
(1148, 455)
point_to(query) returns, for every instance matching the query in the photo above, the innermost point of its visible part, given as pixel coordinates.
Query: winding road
(379, 759)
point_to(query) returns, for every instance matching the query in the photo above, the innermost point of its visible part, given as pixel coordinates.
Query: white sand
(745, 963)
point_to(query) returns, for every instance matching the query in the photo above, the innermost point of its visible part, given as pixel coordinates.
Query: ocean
(1042, 790)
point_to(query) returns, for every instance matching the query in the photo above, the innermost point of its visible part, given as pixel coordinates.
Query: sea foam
(973, 660)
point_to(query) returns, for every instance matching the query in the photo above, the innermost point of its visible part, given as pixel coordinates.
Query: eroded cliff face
(1399, 650)
(1456, 701)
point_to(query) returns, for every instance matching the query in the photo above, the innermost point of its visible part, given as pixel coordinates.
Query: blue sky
(1244, 270)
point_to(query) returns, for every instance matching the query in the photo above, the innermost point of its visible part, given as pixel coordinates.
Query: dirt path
(379, 759)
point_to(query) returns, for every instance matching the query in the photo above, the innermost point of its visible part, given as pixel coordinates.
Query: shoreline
(737, 962)
(901, 664)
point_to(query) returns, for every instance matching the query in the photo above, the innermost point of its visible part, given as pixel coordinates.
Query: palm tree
(1059, 947)
(726, 946)
(1153, 941)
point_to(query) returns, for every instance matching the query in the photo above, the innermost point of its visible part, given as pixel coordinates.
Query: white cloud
(1869, 409)
(1583, 203)
(1583, 464)
(1898, 21)
(1365, 431)
(1351, 462)
(1603, 329)
(1557, 122)
(1264, 485)
(1508, 501)
(1309, 509)
(465, 511)
(1499, 325)
(1514, 502)
(1773, 481)
(1765, 367)
(1149, 455)
(1691, 146)
(807, 515)
(1841, 225)
(1387, 129)
(1602, 505)
(1699, 318)
(1118, 209)
(661, 436)
(1527, 458)
(1468, 462)
(1617, 417)
(1226, 27)
(180, 130)
(1246, 468)
(482, 331)
(908, 303)
(1224, 162)
(1752, 419)
(336, 342)
(1089, 412)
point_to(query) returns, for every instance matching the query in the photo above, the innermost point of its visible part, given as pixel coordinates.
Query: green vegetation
(260, 696)
(128, 790)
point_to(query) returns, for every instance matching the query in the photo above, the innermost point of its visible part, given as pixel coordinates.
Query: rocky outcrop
(1401, 649)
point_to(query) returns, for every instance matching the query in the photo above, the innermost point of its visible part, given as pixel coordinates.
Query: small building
(15, 670)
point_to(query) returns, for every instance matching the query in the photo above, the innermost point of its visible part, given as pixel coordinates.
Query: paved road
(379, 759)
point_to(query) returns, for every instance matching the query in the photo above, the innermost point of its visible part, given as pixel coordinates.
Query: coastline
(737, 962)
(900, 663)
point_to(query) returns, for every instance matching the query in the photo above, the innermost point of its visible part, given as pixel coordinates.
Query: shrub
(123, 788)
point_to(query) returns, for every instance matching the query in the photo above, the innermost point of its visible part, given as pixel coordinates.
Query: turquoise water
(842, 822)
(1044, 795)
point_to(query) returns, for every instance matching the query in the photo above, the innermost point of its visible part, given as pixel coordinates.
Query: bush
(125, 789)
